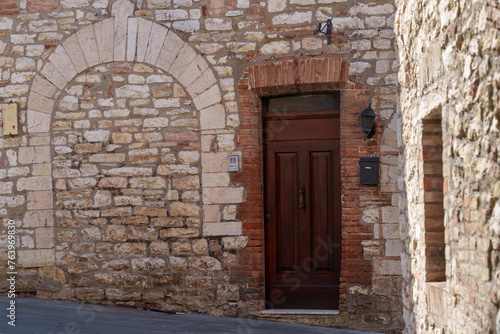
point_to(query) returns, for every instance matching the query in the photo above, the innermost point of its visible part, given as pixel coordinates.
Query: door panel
(321, 192)
(302, 198)
(286, 167)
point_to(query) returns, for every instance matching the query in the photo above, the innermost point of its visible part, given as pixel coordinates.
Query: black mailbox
(368, 170)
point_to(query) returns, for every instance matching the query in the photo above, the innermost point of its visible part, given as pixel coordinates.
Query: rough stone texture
(449, 164)
(128, 167)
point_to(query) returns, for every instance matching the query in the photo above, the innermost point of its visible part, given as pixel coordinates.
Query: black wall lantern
(325, 30)
(368, 122)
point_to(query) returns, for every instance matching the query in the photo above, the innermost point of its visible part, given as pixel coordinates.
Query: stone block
(187, 182)
(145, 211)
(170, 49)
(34, 183)
(148, 182)
(211, 213)
(75, 53)
(121, 10)
(200, 246)
(202, 83)
(293, 18)
(155, 43)
(211, 180)
(38, 122)
(41, 103)
(159, 248)
(219, 229)
(114, 233)
(223, 195)
(194, 70)
(167, 222)
(390, 214)
(393, 247)
(142, 233)
(35, 258)
(390, 231)
(131, 38)
(148, 263)
(371, 248)
(88, 44)
(38, 218)
(213, 117)
(104, 35)
(116, 265)
(89, 293)
(129, 171)
(102, 198)
(128, 200)
(386, 267)
(209, 97)
(276, 5)
(135, 220)
(229, 212)
(117, 212)
(157, 122)
(96, 135)
(82, 183)
(133, 91)
(44, 237)
(235, 242)
(218, 24)
(6, 187)
(143, 32)
(181, 248)
(205, 263)
(214, 162)
(107, 157)
(177, 264)
(63, 63)
(50, 72)
(179, 233)
(91, 234)
(39, 200)
(183, 209)
(189, 156)
(177, 170)
(186, 55)
(118, 294)
(382, 286)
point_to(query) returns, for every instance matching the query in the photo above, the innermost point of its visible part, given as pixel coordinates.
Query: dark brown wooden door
(302, 203)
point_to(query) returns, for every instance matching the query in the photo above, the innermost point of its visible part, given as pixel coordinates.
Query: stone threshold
(306, 312)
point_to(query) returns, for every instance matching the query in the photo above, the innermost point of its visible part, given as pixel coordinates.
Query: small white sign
(234, 164)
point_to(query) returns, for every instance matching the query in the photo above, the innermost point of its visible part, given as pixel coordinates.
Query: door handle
(302, 193)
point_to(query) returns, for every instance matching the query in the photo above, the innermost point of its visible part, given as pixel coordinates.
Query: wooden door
(302, 209)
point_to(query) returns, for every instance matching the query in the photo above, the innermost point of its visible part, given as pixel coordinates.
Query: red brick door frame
(291, 77)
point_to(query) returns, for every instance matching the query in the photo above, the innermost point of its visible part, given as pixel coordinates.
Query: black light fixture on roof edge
(368, 122)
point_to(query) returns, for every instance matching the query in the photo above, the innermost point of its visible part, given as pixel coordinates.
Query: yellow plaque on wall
(10, 119)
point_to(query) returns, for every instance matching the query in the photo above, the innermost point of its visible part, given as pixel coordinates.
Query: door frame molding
(296, 77)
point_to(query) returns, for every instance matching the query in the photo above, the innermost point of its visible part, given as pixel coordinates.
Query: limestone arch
(122, 38)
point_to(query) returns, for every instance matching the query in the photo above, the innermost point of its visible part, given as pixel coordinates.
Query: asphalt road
(36, 316)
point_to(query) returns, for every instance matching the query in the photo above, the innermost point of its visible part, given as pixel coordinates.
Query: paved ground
(35, 316)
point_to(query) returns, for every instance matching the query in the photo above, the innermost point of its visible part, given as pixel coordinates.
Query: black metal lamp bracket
(325, 30)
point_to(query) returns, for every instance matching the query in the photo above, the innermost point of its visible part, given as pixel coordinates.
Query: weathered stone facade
(450, 103)
(119, 179)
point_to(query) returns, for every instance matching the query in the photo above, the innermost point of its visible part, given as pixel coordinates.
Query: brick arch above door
(295, 77)
(298, 76)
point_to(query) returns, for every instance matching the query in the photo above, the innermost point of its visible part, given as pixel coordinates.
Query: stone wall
(119, 180)
(450, 105)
